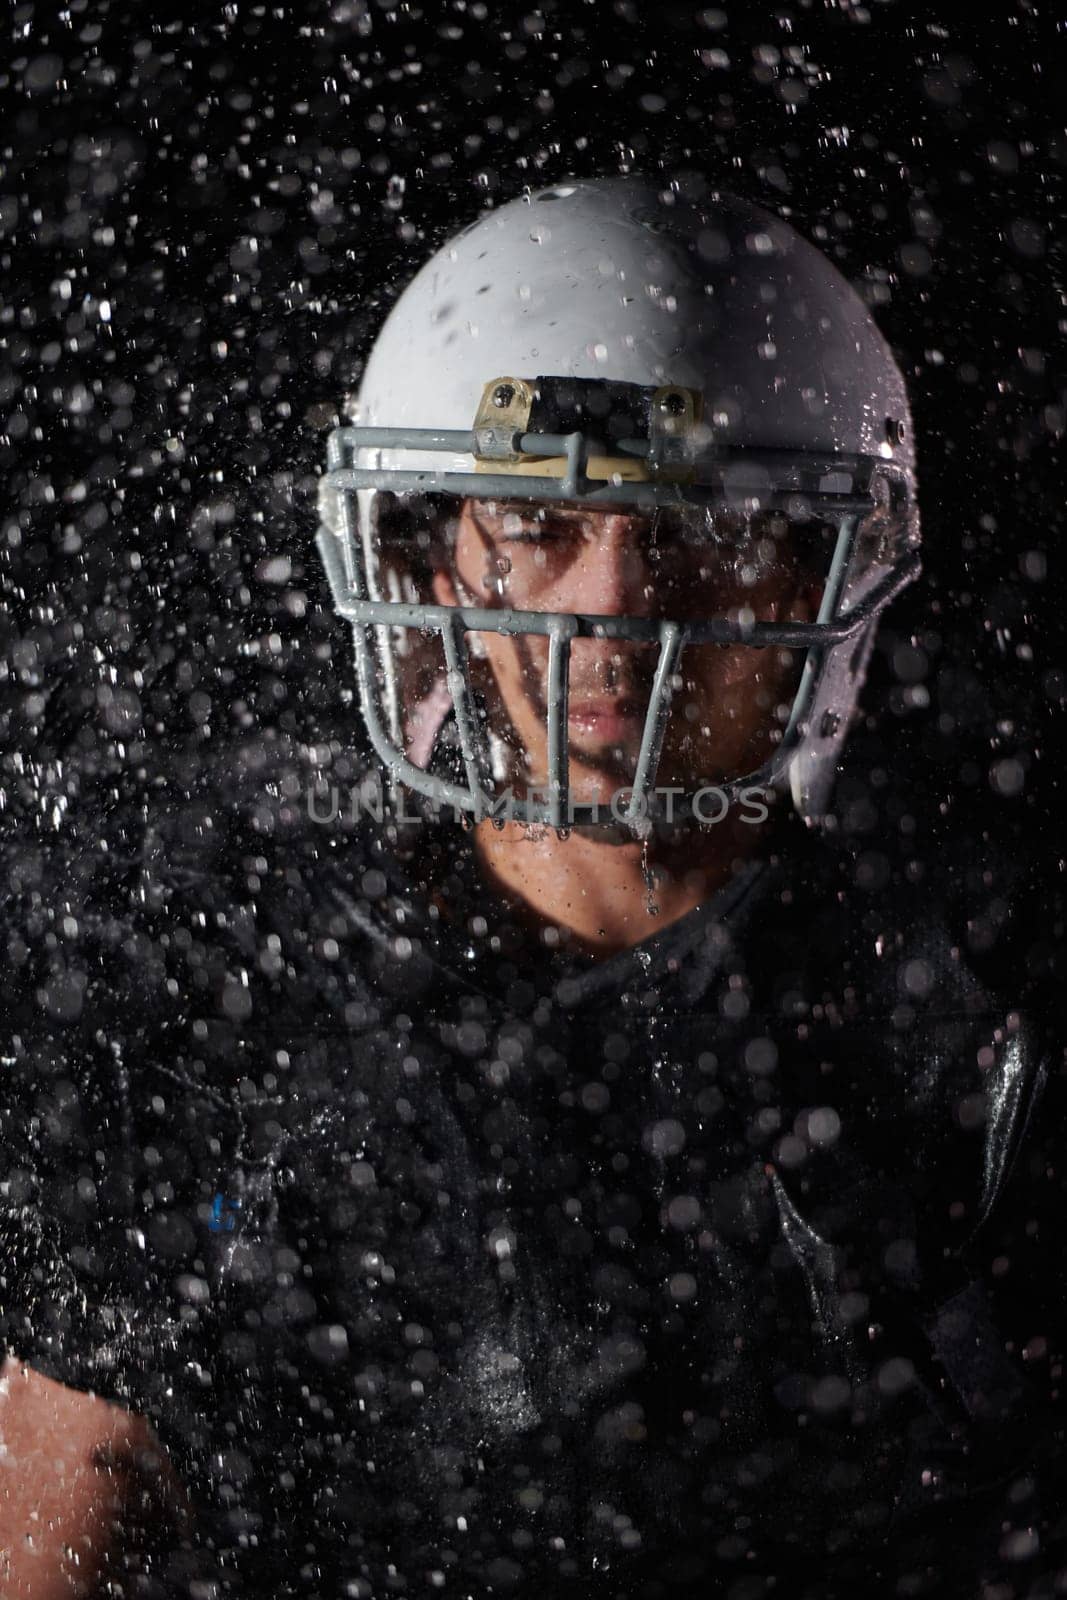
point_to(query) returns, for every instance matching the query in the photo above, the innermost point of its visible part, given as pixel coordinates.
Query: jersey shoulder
(931, 923)
(179, 1036)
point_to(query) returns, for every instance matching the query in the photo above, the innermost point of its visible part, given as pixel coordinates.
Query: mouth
(607, 719)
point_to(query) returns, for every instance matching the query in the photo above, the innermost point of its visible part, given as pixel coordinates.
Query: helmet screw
(894, 430)
(503, 395)
(673, 404)
(830, 724)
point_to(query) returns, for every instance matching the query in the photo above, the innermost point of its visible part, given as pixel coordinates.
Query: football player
(585, 1176)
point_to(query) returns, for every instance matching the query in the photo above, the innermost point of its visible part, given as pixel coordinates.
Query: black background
(204, 218)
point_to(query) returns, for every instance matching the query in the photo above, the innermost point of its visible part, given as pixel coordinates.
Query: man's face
(729, 703)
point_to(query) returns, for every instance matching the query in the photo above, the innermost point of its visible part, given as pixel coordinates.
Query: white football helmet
(602, 342)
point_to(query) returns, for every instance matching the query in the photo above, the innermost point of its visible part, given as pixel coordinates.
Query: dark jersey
(446, 1262)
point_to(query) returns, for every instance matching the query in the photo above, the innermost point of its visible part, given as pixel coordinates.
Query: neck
(609, 896)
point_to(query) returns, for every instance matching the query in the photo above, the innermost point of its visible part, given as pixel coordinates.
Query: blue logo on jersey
(223, 1214)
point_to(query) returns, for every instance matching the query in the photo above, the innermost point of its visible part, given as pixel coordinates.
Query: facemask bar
(825, 487)
(366, 499)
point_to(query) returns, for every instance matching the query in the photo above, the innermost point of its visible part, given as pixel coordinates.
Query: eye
(525, 536)
(537, 530)
(681, 529)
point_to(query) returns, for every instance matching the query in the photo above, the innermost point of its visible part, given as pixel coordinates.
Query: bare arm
(78, 1476)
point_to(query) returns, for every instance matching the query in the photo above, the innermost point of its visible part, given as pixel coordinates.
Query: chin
(599, 781)
(609, 761)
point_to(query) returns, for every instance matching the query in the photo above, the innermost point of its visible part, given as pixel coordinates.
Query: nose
(613, 575)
